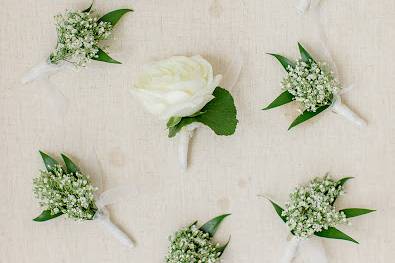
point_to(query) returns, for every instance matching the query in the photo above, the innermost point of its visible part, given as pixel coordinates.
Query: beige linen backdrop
(226, 174)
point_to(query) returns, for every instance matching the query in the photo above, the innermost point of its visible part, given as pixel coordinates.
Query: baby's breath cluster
(311, 208)
(67, 193)
(311, 84)
(191, 245)
(78, 36)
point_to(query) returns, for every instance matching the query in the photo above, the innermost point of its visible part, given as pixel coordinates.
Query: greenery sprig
(193, 245)
(311, 210)
(64, 190)
(79, 34)
(308, 82)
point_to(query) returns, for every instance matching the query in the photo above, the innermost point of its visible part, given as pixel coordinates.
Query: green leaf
(89, 8)
(344, 180)
(46, 215)
(285, 62)
(284, 98)
(221, 249)
(219, 114)
(212, 226)
(354, 212)
(173, 121)
(49, 162)
(71, 167)
(114, 16)
(103, 56)
(306, 57)
(279, 210)
(306, 115)
(334, 233)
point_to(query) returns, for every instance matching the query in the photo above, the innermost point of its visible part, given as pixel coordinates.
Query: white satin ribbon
(110, 197)
(185, 135)
(310, 250)
(55, 98)
(44, 69)
(337, 106)
(103, 217)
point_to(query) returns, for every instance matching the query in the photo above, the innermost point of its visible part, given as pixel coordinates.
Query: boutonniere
(79, 36)
(194, 244)
(184, 92)
(311, 211)
(313, 86)
(65, 190)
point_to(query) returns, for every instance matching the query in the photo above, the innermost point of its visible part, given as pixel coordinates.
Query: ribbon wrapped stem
(103, 217)
(185, 137)
(342, 109)
(41, 70)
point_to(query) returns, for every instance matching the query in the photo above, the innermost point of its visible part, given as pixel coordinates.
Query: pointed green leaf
(103, 56)
(284, 98)
(222, 248)
(306, 57)
(212, 226)
(219, 114)
(89, 8)
(279, 211)
(285, 62)
(341, 182)
(306, 115)
(71, 167)
(49, 162)
(194, 223)
(173, 121)
(354, 212)
(344, 180)
(114, 16)
(334, 233)
(45, 216)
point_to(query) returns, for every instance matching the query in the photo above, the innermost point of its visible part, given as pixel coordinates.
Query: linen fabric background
(226, 174)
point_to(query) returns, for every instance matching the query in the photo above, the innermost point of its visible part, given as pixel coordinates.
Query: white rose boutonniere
(185, 92)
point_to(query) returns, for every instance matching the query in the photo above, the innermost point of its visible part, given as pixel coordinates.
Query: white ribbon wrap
(44, 69)
(185, 135)
(310, 250)
(103, 216)
(337, 106)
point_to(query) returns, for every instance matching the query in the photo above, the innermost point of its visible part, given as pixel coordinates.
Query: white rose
(176, 87)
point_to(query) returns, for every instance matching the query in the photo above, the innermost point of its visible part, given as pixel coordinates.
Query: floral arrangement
(184, 92)
(193, 245)
(65, 190)
(311, 211)
(313, 86)
(79, 36)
